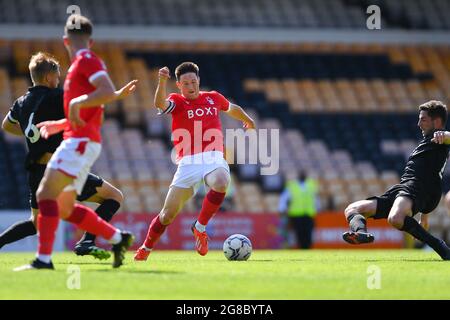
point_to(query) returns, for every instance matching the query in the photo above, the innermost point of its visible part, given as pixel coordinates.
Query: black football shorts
(423, 201)
(36, 173)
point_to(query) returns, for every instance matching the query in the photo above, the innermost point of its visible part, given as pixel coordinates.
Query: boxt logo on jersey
(201, 112)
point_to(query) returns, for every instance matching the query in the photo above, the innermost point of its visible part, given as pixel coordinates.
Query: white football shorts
(75, 157)
(192, 169)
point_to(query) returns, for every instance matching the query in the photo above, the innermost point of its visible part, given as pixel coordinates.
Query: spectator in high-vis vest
(299, 202)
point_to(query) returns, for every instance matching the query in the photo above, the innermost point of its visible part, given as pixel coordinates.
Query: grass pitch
(316, 274)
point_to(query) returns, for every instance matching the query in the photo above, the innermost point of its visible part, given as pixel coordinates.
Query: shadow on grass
(249, 260)
(142, 271)
(401, 260)
(93, 263)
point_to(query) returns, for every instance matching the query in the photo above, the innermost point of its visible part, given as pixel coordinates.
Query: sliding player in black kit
(419, 189)
(44, 102)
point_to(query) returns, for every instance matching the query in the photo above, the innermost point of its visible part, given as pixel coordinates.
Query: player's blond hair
(41, 64)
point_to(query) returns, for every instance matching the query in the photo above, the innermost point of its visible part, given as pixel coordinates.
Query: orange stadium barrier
(331, 225)
(264, 230)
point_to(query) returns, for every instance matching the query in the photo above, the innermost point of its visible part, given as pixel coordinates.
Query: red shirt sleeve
(91, 67)
(222, 101)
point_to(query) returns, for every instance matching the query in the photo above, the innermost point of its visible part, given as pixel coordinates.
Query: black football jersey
(426, 164)
(39, 104)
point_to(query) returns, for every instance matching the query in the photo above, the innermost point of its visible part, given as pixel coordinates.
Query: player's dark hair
(78, 25)
(41, 64)
(186, 67)
(435, 109)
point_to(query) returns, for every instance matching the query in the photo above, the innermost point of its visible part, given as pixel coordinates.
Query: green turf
(317, 274)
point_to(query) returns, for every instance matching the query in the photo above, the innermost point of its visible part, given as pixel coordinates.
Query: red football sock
(48, 219)
(87, 220)
(211, 204)
(155, 231)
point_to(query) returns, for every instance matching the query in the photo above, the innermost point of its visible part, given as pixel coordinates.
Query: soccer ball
(237, 247)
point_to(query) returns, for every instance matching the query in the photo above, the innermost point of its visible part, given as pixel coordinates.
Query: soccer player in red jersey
(87, 87)
(195, 123)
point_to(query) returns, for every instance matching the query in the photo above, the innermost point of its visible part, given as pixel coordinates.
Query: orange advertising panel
(264, 230)
(331, 225)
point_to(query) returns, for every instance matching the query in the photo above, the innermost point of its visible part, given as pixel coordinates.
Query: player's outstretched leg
(154, 232)
(175, 200)
(86, 219)
(400, 218)
(356, 214)
(86, 245)
(411, 226)
(17, 231)
(218, 181)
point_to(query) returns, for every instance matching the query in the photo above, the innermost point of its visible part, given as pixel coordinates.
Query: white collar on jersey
(81, 51)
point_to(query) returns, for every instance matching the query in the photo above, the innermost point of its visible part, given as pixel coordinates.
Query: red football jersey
(85, 68)
(196, 125)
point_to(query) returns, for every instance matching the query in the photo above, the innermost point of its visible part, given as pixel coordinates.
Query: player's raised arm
(105, 92)
(161, 91)
(236, 112)
(441, 137)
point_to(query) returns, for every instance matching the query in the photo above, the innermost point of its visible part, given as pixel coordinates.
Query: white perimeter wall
(211, 34)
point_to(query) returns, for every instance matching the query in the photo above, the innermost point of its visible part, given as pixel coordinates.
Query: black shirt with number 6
(39, 104)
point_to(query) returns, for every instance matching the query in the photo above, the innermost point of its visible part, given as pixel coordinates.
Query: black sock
(105, 211)
(17, 231)
(411, 226)
(357, 222)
